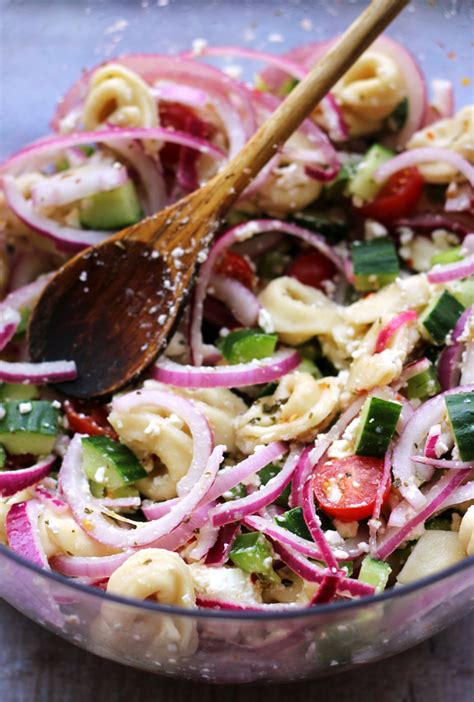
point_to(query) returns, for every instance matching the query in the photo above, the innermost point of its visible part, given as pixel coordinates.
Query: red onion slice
(237, 509)
(429, 413)
(386, 333)
(197, 423)
(77, 183)
(185, 531)
(205, 540)
(442, 101)
(49, 499)
(218, 555)
(374, 522)
(432, 441)
(427, 154)
(12, 481)
(452, 271)
(283, 536)
(326, 591)
(410, 371)
(256, 372)
(89, 512)
(240, 233)
(95, 567)
(9, 322)
(449, 370)
(241, 301)
(302, 472)
(37, 373)
(433, 500)
(313, 523)
(22, 532)
(443, 463)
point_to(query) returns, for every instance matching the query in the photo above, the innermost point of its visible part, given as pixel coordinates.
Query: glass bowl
(44, 48)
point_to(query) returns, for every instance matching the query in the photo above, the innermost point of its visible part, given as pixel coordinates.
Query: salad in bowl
(307, 437)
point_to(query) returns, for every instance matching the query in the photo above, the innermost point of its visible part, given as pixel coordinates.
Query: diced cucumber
(18, 391)
(3, 457)
(29, 426)
(109, 463)
(253, 554)
(375, 573)
(99, 490)
(338, 187)
(307, 366)
(463, 291)
(113, 209)
(375, 263)
(423, 385)
(246, 345)
(293, 520)
(447, 256)
(362, 184)
(378, 421)
(461, 417)
(332, 223)
(441, 316)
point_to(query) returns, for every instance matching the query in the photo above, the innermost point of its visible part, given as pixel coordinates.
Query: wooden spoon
(113, 307)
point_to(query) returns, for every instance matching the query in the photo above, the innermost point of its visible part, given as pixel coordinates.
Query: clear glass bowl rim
(297, 613)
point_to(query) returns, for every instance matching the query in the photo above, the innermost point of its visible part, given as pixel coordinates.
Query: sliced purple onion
(313, 523)
(22, 532)
(238, 509)
(374, 522)
(186, 530)
(283, 536)
(11, 306)
(449, 370)
(49, 499)
(326, 591)
(218, 555)
(255, 372)
(77, 183)
(9, 322)
(205, 540)
(452, 271)
(95, 567)
(37, 373)
(443, 463)
(426, 154)
(302, 472)
(12, 481)
(241, 301)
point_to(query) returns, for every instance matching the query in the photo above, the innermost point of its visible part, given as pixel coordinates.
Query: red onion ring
(237, 509)
(37, 373)
(326, 591)
(442, 101)
(426, 154)
(386, 333)
(243, 232)
(218, 555)
(303, 470)
(313, 523)
(432, 442)
(452, 271)
(186, 530)
(22, 532)
(449, 370)
(50, 500)
(96, 567)
(283, 536)
(9, 322)
(374, 522)
(12, 481)
(443, 463)
(205, 540)
(11, 306)
(241, 301)
(255, 372)
(77, 183)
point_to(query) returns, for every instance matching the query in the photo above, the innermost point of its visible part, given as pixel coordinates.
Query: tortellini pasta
(299, 408)
(61, 534)
(466, 531)
(119, 96)
(455, 133)
(150, 574)
(290, 590)
(162, 441)
(369, 92)
(411, 293)
(298, 311)
(434, 551)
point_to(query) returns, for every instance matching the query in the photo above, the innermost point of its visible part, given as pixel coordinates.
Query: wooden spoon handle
(235, 177)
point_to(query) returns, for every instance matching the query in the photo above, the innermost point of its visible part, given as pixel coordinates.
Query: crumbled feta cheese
(265, 321)
(374, 230)
(25, 407)
(99, 475)
(199, 45)
(225, 583)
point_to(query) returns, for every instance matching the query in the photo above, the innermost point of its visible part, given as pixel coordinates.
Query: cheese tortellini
(162, 441)
(61, 534)
(455, 133)
(466, 531)
(369, 92)
(299, 408)
(119, 96)
(298, 311)
(434, 551)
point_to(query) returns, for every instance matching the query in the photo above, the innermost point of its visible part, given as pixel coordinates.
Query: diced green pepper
(253, 554)
(247, 345)
(269, 472)
(293, 520)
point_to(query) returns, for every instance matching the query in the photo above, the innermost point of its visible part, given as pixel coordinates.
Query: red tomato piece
(397, 198)
(312, 268)
(346, 488)
(235, 266)
(87, 418)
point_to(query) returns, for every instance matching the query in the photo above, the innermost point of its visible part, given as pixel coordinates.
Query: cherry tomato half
(397, 198)
(312, 268)
(346, 488)
(235, 266)
(86, 418)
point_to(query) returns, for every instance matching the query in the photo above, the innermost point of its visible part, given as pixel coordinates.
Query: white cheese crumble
(25, 407)
(265, 321)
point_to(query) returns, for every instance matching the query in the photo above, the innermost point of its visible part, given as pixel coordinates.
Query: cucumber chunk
(362, 183)
(375, 263)
(463, 291)
(441, 316)
(375, 573)
(461, 417)
(3, 457)
(378, 421)
(14, 391)
(423, 385)
(109, 463)
(113, 209)
(29, 426)
(253, 554)
(450, 255)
